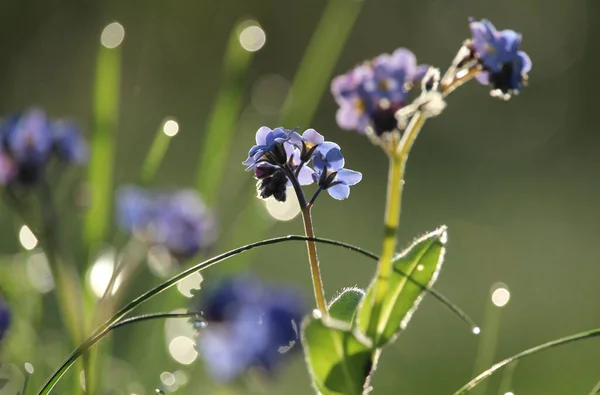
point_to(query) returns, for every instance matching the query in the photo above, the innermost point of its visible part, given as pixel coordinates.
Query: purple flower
(269, 146)
(5, 318)
(285, 163)
(30, 140)
(505, 66)
(177, 220)
(280, 158)
(250, 326)
(372, 93)
(330, 172)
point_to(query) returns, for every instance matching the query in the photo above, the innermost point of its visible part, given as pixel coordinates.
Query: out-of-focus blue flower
(250, 326)
(5, 318)
(330, 173)
(505, 65)
(269, 146)
(30, 140)
(69, 144)
(179, 220)
(372, 93)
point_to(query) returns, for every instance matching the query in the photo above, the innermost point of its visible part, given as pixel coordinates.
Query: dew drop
(160, 392)
(29, 368)
(317, 314)
(200, 323)
(476, 330)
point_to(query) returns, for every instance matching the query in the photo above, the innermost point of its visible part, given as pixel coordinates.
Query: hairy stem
(313, 259)
(392, 217)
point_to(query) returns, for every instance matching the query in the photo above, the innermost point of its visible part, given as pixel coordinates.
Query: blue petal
(135, 208)
(525, 62)
(348, 177)
(31, 139)
(335, 159)
(306, 176)
(261, 135)
(315, 176)
(321, 160)
(255, 149)
(313, 137)
(339, 191)
(348, 117)
(483, 78)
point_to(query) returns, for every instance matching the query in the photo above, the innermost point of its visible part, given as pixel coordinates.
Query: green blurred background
(517, 183)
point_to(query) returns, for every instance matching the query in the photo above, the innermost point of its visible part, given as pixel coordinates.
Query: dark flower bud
(274, 185)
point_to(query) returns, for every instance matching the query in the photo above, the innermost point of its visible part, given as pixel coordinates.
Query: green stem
(313, 259)
(149, 317)
(105, 328)
(542, 347)
(392, 217)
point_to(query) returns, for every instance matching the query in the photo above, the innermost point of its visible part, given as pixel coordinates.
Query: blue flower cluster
(280, 159)
(178, 221)
(370, 94)
(29, 141)
(504, 65)
(5, 318)
(250, 325)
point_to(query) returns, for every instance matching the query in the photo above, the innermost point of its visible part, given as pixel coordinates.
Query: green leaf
(338, 362)
(421, 261)
(3, 382)
(343, 307)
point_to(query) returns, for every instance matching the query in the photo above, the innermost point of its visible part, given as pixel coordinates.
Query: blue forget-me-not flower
(370, 94)
(178, 221)
(504, 65)
(250, 326)
(30, 140)
(280, 159)
(330, 173)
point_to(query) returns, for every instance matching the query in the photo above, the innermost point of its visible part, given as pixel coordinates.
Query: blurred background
(516, 182)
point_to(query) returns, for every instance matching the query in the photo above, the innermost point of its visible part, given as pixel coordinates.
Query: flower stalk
(393, 205)
(313, 259)
(392, 217)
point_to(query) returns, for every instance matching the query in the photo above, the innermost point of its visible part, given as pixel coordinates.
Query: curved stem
(149, 317)
(542, 347)
(105, 328)
(313, 259)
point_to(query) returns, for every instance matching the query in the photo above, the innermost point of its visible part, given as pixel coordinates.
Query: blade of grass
(506, 384)
(224, 116)
(314, 73)
(310, 82)
(486, 349)
(101, 167)
(107, 87)
(167, 130)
